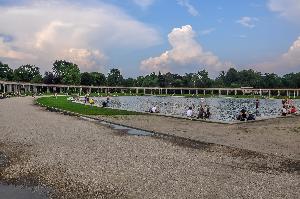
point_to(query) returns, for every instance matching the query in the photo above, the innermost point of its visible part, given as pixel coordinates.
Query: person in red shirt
(293, 110)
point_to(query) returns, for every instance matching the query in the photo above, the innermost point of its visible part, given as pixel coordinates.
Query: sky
(143, 36)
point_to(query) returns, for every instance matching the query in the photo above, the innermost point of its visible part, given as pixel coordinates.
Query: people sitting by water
(201, 113)
(243, 115)
(189, 112)
(284, 110)
(154, 109)
(92, 102)
(293, 110)
(251, 116)
(206, 112)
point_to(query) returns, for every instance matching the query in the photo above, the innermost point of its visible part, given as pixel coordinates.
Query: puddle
(130, 131)
(20, 192)
(123, 129)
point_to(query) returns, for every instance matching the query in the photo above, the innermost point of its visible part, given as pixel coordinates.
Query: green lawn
(62, 103)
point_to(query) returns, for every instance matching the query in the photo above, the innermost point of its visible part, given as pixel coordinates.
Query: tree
(48, 78)
(114, 77)
(202, 80)
(189, 80)
(66, 72)
(86, 79)
(271, 80)
(151, 80)
(6, 73)
(99, 79)
(232, 78)
(130, 82)
(28, 73)
(220, 80)
(161, 80)
(249, 78)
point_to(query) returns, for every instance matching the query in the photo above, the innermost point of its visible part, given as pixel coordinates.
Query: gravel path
(279, 136)
(82, 159)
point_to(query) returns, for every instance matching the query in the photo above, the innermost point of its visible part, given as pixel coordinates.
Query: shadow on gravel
(241, 158)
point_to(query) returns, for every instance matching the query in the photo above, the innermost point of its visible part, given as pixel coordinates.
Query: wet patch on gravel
(22, 192)
(126, 130)
(4, 161)
(120, 129)
(18, 188)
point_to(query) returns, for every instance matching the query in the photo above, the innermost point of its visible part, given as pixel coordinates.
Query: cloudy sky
(141, 36)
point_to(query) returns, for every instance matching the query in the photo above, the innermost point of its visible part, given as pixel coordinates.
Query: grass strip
(61, 102)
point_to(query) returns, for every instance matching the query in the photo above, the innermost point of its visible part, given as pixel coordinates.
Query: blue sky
(141, 36)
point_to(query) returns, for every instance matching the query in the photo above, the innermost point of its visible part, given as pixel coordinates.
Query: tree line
(64, 72)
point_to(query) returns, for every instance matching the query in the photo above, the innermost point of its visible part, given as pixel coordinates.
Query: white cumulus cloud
(186, 51)
(43, 31)
(285, 63)
(289, 9)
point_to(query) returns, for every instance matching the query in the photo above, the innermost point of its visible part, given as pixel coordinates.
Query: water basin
(222, 109)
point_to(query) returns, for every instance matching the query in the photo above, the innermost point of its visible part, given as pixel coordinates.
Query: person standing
(256, 106)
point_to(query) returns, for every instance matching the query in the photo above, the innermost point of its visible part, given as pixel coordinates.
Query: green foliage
(48, 78)
(6, 73)
(114, 78)
(66, 72)
(61, 102)
(130, 82)
(93, 78)
(28, 73)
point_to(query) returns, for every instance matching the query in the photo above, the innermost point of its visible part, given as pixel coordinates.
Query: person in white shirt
(284, 111)
(153, 109)
(189, 113)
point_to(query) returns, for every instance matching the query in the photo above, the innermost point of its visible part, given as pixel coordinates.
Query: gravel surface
(279, 136)
(82, 159)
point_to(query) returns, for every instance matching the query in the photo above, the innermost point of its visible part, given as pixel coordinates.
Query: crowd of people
(288, 107)
(244, 115)
(203, 112)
